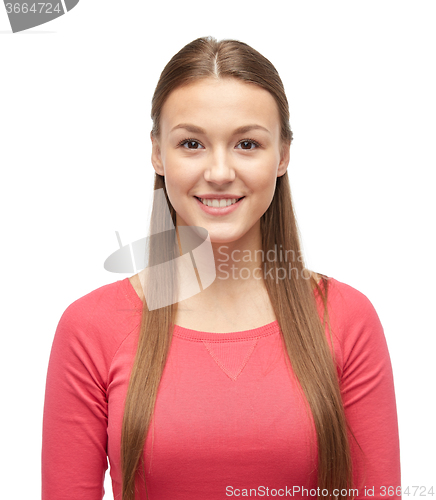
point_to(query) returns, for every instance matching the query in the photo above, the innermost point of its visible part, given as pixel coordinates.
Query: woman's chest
(227, 413)
(216, 322)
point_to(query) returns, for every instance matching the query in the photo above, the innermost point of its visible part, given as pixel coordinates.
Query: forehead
(212, 102)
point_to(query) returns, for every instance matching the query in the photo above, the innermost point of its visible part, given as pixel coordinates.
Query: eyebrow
(198, 130)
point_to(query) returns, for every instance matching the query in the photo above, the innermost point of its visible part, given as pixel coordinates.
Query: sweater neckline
(188, 333)
(260, 331)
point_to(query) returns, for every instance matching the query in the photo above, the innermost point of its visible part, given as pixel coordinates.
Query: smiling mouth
(215, 203)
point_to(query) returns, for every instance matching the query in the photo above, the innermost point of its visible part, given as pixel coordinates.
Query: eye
(249, 142)
(245, 144)
(190, 142)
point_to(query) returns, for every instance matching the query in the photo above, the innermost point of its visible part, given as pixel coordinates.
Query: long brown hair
(293, 300)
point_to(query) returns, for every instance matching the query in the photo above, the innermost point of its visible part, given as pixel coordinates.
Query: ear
(156, 158)
(284, 159)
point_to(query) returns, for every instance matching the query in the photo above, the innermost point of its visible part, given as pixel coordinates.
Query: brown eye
(248, 143)
(192, 144)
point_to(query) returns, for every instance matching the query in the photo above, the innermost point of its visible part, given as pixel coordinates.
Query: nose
(219, 169)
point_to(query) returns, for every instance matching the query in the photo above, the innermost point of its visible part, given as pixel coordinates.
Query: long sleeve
(74, 445)
(367, 388)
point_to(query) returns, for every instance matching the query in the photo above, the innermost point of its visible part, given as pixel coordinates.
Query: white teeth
(224, 202)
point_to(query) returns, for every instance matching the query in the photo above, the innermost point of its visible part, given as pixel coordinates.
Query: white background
(75, 97)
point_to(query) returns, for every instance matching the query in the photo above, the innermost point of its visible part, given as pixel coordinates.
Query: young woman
(272, 381)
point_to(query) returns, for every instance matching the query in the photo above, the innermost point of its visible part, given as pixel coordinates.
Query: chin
(222, 239)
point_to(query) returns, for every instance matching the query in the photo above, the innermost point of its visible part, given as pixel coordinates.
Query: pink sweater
(228, 419)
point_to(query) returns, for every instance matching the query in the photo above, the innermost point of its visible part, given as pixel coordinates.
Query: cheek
(181, 174)
(175, 178)
(263, 178)
(264, 184)
(178, 182)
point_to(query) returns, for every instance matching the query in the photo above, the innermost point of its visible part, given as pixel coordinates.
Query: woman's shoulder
(347, 298)
(354, 319)
(100, 318)
(107, 300)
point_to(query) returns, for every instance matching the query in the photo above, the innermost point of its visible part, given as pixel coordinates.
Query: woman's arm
(367, 388)
(74, 440)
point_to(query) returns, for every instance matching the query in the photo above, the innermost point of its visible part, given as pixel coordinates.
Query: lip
(219, 210)
(218, 196)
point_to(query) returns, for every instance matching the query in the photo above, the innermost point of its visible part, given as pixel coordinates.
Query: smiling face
(202, 154)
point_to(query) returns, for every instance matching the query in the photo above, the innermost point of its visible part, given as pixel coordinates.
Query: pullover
(230, 419)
